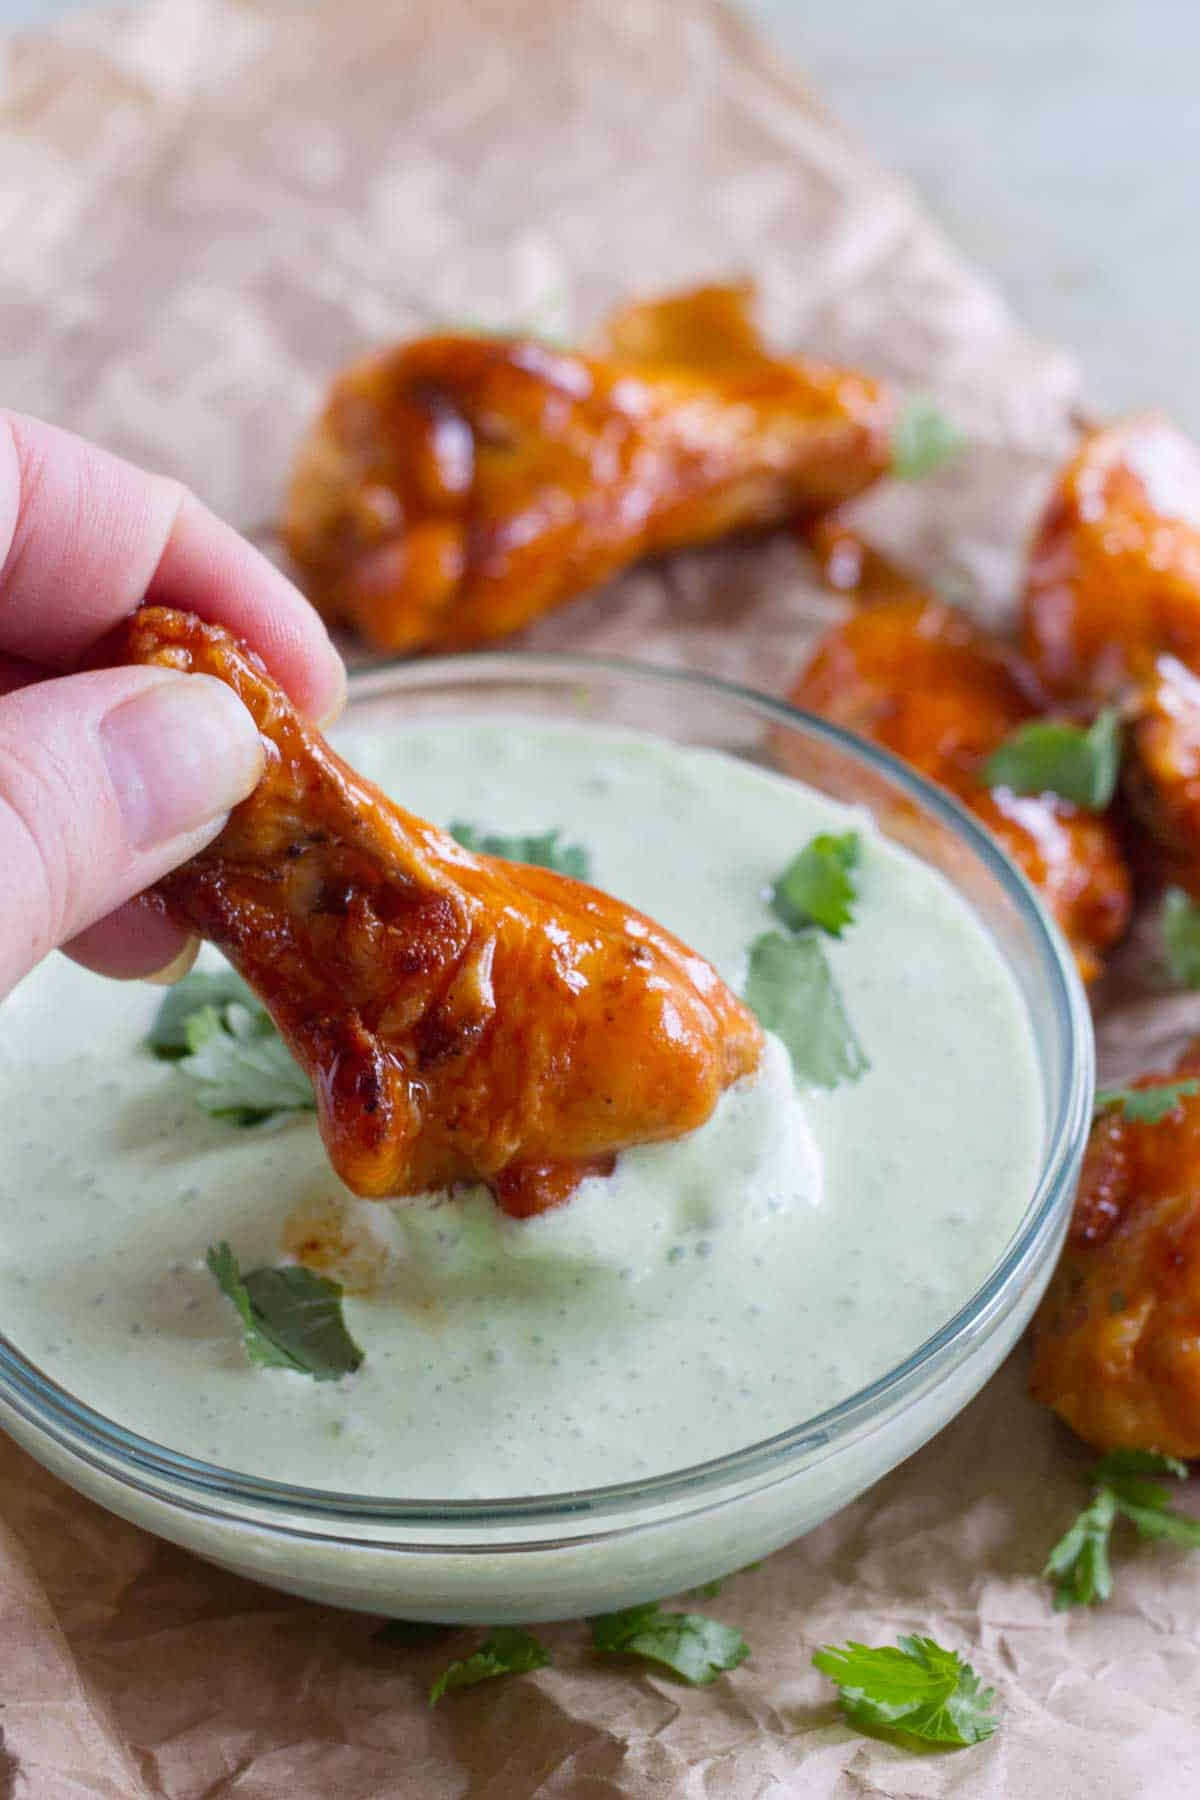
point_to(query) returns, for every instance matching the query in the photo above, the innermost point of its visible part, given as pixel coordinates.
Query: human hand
(110, 777)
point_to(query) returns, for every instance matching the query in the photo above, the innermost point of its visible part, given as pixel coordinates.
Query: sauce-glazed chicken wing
(921, 679)
(1117, 1338)
(456, 488)
(849, 566)
(1114, 575)
(461, 1018)
(1162, 773)
(700, 328)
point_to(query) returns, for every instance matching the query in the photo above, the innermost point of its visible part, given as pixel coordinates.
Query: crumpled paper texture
(207, 206)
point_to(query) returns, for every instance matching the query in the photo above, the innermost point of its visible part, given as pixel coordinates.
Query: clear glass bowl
(561, 1555)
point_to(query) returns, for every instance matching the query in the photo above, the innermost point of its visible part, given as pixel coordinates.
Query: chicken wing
(709, 327)
(921, 679)
(1114, 574)
(1162, 773)
(848, 565)
(456, 488)
(1117, 1338)
(462, 1018)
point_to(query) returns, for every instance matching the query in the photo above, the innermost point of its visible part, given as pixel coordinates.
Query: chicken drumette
(462, 1018)
(1162, 772)
(1114, 573)
(1112, 616)
(455, 488)
(1117, 1338)
(921, 679)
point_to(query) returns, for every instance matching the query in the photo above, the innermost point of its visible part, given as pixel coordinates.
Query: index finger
(86, 537)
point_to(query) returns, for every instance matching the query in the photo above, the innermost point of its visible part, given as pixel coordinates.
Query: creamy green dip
(715, 1291)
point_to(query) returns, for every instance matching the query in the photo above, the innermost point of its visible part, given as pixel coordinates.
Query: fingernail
(178, 966)
(333, 710)
(179, 755)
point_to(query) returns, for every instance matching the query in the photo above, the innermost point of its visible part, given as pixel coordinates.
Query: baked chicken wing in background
(1112, 616)
(848, 565)
(921, 679)
(461, 1018)
(456, 488)
(711, 327)
(1162, 773)
(1117, 1338)
(1114, 573)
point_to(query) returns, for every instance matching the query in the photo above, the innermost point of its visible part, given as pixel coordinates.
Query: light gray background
(1057, 140)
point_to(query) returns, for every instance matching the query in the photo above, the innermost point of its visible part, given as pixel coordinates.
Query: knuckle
(44, 485)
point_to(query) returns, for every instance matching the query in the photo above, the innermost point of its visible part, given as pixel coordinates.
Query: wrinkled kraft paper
(207, 206)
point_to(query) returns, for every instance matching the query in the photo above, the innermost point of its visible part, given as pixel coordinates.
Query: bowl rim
(147, 1466)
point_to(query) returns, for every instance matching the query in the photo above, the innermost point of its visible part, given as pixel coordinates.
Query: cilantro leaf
(1049, 756)
(1079, 1563)
(1162, 1522)
(1124, 1474)
(291, 1317)
(505, 1651)
(219, 1032)
(1180, 926)
(1128, 1465)
(923, 439)
(542, 849)
(167, 1037)
(791, 988)
(242, 1067)
(1146, 1106)
(694, 1646)
(817, 887)
(917, 1688)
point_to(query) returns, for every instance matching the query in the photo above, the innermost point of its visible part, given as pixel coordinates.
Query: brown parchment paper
(205, 207)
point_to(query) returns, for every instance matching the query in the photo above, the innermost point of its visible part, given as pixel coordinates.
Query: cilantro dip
(714, 1291)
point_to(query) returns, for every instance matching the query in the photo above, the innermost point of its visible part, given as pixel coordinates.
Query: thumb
(108, 780)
